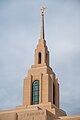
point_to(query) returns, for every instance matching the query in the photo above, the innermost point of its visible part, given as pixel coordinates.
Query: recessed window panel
(35, 88)
(53, 94)
(39, 58)
(35, 92)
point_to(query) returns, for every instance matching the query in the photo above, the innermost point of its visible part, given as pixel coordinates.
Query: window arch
(35, 92)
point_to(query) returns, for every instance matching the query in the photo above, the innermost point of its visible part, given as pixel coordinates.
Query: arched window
(39, 58)
(35, 92)
(53, 94)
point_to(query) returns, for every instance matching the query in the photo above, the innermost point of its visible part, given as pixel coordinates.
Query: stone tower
(40, 90)
(41, 85)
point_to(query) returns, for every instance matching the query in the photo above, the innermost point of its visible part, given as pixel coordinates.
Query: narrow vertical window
(46, 58)
(53, 94)
(39, 58)
(35, 92)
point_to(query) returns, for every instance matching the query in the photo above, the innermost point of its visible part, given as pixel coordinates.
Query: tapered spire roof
(42, 34)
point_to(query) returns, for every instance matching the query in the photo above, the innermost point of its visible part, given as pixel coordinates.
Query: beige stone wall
(74, 117)
(50, 97)
(27, 115)
(8, 116)
(45, 87)
(27, 90)
(33, 115)
(46, 77)
(56, 92)
(32, 112)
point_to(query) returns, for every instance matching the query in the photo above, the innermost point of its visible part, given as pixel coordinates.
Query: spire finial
(42, 10)
(42, 36)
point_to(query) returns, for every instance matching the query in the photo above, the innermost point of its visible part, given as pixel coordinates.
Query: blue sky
(20, 23)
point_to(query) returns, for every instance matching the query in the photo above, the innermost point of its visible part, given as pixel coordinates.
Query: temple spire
(42, 35)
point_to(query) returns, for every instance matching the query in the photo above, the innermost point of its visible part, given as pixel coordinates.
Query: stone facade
(34, 114)
(46, 77)
(40, 100)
